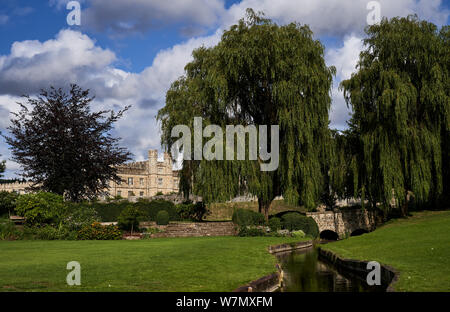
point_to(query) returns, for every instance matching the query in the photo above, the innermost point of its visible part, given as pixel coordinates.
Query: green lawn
(419, 247)
(175, 264)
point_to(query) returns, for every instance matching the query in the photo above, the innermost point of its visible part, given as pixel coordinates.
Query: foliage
(260, 73)
(130, 217)
(39, 208)
(274, 224)
(162, 218)
(7, 202)
(110, 211)
(153, 207)
(159, 193)
(401, 113)
(246, 217)
(79, 215)
(96, 231)
(49, 232)
(293, 221)
(298, 234)
(190, 211)
(64, 147)
(251, 231)
(8, 231)
(2, 166)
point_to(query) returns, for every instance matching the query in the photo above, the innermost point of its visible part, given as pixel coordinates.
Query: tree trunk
(260, 207)
(264, 208)
(405, 206)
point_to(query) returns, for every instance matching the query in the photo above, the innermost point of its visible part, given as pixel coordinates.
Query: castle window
(119, 193)
(160, 181)
(130, 181)
(141, 194)
(141, 181)
(130, 193)
(160, 170)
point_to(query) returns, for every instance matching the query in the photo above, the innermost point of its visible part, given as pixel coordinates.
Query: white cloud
(345, 59)
(32, 65)
(138, 16)
(336, 17)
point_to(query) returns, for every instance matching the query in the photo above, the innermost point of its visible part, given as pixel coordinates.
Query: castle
(139, 179)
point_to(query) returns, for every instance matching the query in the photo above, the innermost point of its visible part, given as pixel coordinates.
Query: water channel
(304, 271)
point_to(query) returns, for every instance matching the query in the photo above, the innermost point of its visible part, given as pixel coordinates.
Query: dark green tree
(63, 147)
(260, 73)
(2, 167)
(401, 113)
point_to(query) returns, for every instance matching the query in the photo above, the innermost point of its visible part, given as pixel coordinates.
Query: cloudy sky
(129, 51)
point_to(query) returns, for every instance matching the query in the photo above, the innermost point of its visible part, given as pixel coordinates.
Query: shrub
(162, 218)
(298, 234)
(274, 224)
(251, 231)
(190, 211)
(48, 232)
(294, 221)
(79, 215)
(40, 208)
(129, 218)
(8, 230)
(246, 217)
(159, 194)
(96, 231)
(109, 212)
(7, 202)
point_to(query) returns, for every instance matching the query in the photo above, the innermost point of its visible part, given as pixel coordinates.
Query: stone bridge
(342, 223)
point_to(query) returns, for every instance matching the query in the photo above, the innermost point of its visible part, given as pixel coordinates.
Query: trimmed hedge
(246, 217)
(110, 212)
(294, 221)
(162, 218)
(274, 224)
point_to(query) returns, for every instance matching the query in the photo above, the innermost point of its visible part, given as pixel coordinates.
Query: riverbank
(417, 247)
(164, 264)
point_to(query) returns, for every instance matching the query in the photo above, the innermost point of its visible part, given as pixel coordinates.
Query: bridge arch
(328, 235)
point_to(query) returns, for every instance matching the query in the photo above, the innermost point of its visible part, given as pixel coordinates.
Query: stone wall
(192, 229)
(344, 222)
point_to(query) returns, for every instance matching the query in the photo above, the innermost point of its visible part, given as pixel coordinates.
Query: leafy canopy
(263, 74)
(400, 99)
(64, 147)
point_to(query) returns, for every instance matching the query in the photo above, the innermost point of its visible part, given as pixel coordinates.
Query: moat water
(305, 272)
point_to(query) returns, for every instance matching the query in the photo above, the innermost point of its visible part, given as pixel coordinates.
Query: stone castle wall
(141, 179)
(18, 187)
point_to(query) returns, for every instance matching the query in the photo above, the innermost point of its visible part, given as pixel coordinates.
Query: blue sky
(128, 52)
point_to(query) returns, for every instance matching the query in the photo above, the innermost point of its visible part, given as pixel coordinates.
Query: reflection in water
(303, 271)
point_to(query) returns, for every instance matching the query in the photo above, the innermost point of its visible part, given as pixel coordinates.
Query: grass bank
(175, 264)
(419, 247)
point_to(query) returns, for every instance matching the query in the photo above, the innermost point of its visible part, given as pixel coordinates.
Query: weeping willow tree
(401, 113)
(260, 73)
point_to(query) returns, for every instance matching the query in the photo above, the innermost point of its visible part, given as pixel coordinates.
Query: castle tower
(168, 160)
(152, 161)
